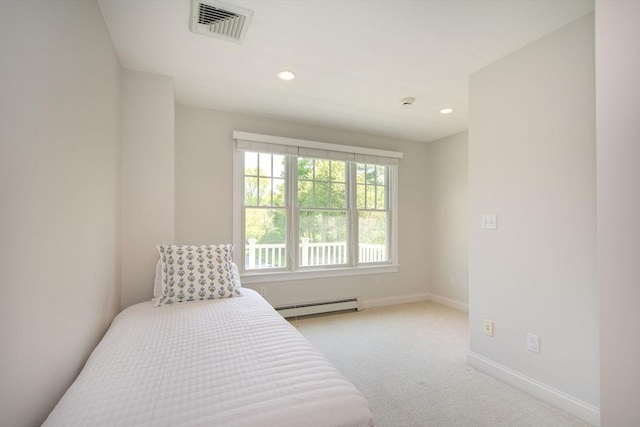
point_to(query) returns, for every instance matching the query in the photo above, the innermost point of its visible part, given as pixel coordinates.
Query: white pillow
(196, 273)
(236, 275)
(157, 283)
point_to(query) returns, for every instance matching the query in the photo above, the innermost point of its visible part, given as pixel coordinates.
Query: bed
(221, 362)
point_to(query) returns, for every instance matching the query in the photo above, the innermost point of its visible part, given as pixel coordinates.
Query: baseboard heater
(318, 307)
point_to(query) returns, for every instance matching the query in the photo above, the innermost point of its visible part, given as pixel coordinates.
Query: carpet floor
(409, 362)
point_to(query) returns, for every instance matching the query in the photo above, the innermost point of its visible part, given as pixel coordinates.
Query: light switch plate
(489, 221)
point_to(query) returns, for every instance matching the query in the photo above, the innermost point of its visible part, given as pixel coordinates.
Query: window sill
(265, 277)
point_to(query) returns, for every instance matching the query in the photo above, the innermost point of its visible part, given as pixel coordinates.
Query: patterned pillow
(196, 273)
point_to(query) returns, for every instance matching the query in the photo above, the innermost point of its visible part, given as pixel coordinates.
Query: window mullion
(352, 206)
(271, 179)
(313, 184)
(258, 181)
(243, 211)
(292, 211)
(391, 208)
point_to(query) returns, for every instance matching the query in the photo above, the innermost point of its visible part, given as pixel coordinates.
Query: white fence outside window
(273, 255)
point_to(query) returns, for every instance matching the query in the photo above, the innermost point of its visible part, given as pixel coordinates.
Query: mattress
(232, 362)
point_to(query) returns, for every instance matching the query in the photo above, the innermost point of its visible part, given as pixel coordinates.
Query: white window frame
(325, 150)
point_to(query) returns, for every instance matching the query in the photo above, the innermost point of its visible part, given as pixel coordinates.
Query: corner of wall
(447, 228)
(148, 178)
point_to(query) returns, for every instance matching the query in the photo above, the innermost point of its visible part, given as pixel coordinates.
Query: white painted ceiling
(354, 60)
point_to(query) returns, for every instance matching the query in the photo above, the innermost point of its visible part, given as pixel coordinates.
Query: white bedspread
(232, 362)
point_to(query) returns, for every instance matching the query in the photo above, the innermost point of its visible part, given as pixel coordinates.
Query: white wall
(60, 207)
(618, 149)
(532, 162)
(447, 220)
(148, 119)
(204, 211)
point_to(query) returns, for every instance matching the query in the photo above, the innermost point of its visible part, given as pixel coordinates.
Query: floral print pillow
(196, 273)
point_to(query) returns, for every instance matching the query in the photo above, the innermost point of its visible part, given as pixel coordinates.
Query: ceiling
(354, 60)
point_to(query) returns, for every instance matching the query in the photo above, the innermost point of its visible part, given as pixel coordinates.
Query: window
(322, 212)
(265, 215)
(306, 206)
(371, 191)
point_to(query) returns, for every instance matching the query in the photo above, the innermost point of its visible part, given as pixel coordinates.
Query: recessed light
(286, 75)
(447, 110)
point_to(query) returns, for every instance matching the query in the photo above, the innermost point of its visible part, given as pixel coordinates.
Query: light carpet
(409, 362)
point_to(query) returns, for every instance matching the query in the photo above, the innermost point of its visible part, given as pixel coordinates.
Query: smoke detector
(407, 102)
(217, 19)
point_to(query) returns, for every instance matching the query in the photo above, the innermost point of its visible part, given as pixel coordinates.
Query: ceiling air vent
(217, 19)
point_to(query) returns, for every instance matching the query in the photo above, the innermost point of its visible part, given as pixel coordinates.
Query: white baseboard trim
(563, 401)
(461, 306)
(394, 300)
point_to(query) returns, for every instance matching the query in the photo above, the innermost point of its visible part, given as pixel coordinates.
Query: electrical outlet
(263, 291)
(452, 281)
(377, 280)
(487, 327)
(533, 344)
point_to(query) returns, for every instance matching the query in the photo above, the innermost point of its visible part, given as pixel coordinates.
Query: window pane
(264, 166)
(380, 204)
(321, 184)
(371, 174)
(337, 171)
(323, 237)
(372, 232)
(305, 194)
(265, 238)
(250, 191)
(380, 174)
(278, 166)
(265, 191)
(250, 163)
(322, 195)
(322, 170)
(338, 196)
(278, 192)
(371, 197)
(305, 168)
(360, 173)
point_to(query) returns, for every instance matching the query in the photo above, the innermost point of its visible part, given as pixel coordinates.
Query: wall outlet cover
(533, 343)
(487, 327)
